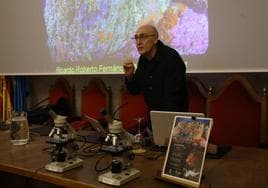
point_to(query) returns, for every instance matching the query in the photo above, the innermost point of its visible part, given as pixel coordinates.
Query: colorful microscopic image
(97, 30)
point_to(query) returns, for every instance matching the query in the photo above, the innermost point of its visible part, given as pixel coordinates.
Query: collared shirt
(162, 80)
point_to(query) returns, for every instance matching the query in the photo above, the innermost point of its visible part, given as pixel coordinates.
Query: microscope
(63, 155)
(118, 144)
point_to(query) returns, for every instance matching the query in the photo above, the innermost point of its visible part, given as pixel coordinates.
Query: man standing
(160, 74)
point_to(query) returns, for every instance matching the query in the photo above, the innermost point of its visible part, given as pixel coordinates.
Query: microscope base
(118, 179)
(63, 166)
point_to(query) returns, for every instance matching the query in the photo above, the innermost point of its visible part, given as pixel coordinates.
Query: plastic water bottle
(19, 128)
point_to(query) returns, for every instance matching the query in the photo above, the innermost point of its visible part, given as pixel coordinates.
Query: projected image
(98, 32)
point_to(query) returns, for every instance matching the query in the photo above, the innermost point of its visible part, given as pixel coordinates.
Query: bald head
(148, 29)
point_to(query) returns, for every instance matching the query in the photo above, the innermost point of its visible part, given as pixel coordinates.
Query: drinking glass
(19, 128)
(138, 141)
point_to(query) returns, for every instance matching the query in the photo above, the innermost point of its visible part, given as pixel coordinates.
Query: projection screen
(43, 37)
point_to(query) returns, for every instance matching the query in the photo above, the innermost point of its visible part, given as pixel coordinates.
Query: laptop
(95, 137)
(162, 122)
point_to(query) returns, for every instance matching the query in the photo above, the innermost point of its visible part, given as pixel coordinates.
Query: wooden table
(241, 167)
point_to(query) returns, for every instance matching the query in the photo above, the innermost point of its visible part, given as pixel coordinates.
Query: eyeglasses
(142, 37)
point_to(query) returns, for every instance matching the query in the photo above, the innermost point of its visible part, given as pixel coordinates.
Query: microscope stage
(121, 178)
(112, 149)
(64, 166)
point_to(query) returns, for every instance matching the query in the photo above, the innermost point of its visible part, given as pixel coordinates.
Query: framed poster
(187, 150)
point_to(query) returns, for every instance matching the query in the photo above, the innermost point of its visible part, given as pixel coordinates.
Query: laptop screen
(162, 122)
(96, 125)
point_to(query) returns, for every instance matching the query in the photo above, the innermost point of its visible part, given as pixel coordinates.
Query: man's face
(145, 39)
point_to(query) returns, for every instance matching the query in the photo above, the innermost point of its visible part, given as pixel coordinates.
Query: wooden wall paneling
(238, 113)
(95, 97)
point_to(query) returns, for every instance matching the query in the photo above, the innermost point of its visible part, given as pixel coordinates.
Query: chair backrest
(238, 113)
(61, 92)
(135, 108)
(197, 96)
(95, 97)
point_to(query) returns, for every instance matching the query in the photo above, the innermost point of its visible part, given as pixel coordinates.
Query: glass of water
(19, 128)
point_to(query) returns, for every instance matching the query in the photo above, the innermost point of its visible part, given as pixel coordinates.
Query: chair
(135, 108)
(61, 97)
(197, 96)
(238, 113)
(95, 98)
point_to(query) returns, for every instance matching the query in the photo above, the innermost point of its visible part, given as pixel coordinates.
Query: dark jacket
(162, 80)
